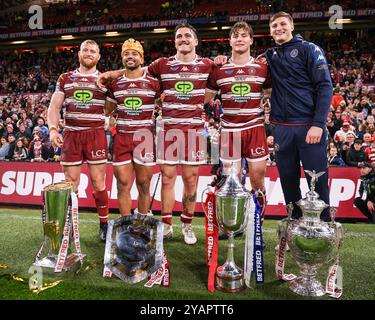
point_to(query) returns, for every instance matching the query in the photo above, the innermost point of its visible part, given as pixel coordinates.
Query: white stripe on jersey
(197, 92)
(231, 124)
(238, 111)
(182, 106)
(84, 116)
(132, 123)
(93, 101)
(182, 120)
(229, 96)
(121, 93)
(78, 85)
(229, 129)
(76, 128)
(144, 107)
(232, 80)
(179, 76)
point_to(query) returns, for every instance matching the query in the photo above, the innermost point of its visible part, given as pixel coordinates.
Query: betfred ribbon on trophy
(313, 243)
(134, 248)
(212, 237)
(60, 225)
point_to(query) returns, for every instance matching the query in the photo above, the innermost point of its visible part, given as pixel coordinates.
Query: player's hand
(103, 79)
(314, 135)
(56, 138)
(261, 59)
(370, 206)
(220, 60)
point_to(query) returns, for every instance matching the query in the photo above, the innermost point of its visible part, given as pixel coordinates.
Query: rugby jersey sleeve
(60, 84)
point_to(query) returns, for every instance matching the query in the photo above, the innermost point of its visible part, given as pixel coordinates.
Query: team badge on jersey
(294, 53)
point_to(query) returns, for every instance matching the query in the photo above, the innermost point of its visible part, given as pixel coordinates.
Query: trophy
(60, 224)
(312, 242)
(134, 247)
(232, 201)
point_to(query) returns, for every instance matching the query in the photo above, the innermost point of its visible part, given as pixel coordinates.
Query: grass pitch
(21, 235)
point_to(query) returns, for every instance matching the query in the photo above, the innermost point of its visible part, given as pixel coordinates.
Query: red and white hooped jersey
(241, 93)
(183, 84)
(84, 100)
(135, 99)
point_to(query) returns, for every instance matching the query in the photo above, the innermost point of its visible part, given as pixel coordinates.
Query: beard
(132, 67)
(88, 63)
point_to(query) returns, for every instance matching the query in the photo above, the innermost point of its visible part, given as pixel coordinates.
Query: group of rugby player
(181, 84)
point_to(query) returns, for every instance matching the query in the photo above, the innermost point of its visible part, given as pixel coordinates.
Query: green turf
(21, 236)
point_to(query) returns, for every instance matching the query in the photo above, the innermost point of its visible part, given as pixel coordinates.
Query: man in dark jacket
(356, 155)
(366, 201)
(301, 96)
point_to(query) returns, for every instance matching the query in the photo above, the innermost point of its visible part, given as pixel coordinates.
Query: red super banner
(21, 183)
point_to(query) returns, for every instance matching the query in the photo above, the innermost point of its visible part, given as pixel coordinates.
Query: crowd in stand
(67, 13)
(351, 125)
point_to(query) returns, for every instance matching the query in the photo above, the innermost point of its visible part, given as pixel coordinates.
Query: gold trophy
(60, 225)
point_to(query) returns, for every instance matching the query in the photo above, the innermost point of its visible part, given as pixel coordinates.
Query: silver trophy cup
(312, 242)
(232, 201)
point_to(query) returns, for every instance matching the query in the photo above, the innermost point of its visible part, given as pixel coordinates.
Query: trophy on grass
(134, 247)
(60, 225)
(312, 242)
(232, 203)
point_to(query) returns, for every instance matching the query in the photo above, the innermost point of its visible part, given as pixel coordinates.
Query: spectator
(39, 151)
(19, 152)
(366, 200)
(12, 144)
(4, 149)
(356, 155)
(335, 159)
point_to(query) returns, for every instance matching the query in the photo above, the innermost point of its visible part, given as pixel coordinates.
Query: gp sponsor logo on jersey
(240, 90)
(133, 104)
(184, 88)
(83, 95)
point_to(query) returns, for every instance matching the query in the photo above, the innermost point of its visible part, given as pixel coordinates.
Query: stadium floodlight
(344, 21)
(67, 37)
(19, 42)
(112, 33)
(160, 30)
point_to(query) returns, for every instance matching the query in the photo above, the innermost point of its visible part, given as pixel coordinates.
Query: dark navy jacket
(301, 83)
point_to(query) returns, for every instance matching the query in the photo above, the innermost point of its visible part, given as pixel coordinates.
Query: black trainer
(103, 231)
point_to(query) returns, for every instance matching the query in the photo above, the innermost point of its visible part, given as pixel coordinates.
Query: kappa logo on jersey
(240, 71)
(241, 89)
(133, 103)
(132, 85)
(184, 87)
(83, 95)
(185, 68)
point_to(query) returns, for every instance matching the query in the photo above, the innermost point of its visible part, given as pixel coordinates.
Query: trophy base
(48, 264)
(307, 287)
(230, 281)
